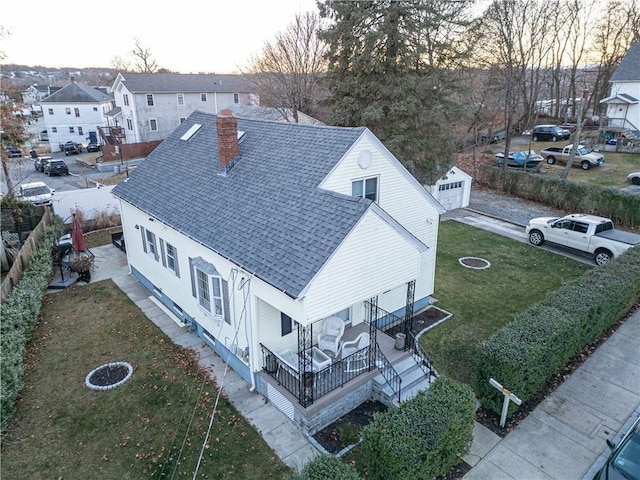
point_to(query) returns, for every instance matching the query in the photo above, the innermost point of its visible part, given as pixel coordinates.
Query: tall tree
(287, 71)
(12, 134)
(392, 66)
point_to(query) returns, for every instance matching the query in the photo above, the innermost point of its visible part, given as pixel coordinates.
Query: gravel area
(511, 209)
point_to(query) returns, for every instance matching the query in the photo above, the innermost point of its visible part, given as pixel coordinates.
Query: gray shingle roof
(629, 68)
(77, 93)
(185, 83)
(267, 214)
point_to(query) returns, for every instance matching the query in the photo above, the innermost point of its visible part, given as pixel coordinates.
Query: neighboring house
(623, 105)
(258, 235)
(453, 190)
(151, 105)
(270, 113)
(35, 93)
(75, 113)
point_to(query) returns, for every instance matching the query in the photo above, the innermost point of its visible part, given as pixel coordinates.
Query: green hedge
(19, 315)
(621, 207)
(423, 438)
(326, 467)
(539, 342)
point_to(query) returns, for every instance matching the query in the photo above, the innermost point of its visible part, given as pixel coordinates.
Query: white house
(623, 105)
(259, 235)
(151, 105)
(453, 190)
(75, 113)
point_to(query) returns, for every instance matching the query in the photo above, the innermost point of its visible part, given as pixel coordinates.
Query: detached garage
(453, 190)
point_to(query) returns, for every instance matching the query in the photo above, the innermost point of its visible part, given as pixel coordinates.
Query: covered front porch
(313, 376)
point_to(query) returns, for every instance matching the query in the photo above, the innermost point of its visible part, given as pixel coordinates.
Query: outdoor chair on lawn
(331, 335)
(355, 352)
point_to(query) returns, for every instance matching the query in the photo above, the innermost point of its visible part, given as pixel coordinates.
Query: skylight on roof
(191, 132)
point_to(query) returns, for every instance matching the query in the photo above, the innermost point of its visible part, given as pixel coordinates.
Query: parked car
(14, 152)
(55, 167)
(520, 158)
(585, 233)
(37, 193)
(549, 132)
(585, 157)
(624, 461)
(71, 148)
(93, 147)
(39, 162)
(634, 178)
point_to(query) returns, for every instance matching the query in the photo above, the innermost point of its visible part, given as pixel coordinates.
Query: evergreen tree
(393, 66)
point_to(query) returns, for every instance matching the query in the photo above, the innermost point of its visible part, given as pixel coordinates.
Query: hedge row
(621, 207)
(540, 341)
(423, 438)
(19, 315)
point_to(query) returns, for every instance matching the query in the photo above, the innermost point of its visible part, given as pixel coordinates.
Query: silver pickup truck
(586, 233)
(585, 158)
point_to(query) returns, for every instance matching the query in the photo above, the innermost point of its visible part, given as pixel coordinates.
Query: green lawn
(612, 173)
(62, 430)
(482, 301)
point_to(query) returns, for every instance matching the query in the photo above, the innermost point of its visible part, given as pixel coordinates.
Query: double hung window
(365, 188)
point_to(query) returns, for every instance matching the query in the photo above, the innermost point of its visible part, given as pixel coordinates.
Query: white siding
(400, 195)
(373, 258)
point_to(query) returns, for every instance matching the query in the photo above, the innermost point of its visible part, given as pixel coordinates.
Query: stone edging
(91, 386)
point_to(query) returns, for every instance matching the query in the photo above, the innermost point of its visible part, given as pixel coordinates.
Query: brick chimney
(228, 147)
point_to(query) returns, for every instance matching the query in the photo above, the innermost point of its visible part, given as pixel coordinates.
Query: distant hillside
(25, 75)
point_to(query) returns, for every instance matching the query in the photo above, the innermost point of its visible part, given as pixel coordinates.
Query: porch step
(413, 381)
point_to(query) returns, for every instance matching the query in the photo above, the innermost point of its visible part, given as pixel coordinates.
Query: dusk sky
(190, 37)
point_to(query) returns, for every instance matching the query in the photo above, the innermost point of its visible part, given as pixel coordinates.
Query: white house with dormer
(294, 251)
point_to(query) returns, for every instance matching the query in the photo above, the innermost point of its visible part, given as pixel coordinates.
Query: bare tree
(286, 73)
(120, 64)
(615, 31)
(143, 58)
(12, 134)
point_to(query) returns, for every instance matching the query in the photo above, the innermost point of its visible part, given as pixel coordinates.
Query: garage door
(450, 195)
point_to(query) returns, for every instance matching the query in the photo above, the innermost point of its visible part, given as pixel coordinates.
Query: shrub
(539, 342)
(19, 315)
(623, 208)
(425, 437)
(326, 467)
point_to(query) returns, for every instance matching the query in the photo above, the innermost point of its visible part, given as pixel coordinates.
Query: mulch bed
(109, 375)
(427, 318)
(337, 436)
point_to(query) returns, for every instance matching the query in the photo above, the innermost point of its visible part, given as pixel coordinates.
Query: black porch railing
(392, 325)
(312, 384)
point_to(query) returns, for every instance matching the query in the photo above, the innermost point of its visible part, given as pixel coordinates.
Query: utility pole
(576, 137)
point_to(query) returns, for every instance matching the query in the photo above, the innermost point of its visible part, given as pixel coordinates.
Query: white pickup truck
(587, 233)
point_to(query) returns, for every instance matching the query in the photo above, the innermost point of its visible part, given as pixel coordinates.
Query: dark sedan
(93, 147)
(56, 167)
(624, 461)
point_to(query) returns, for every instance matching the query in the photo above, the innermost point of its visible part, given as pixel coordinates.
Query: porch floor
(387, 347)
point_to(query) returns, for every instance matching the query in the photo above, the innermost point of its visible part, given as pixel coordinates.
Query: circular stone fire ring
(475, 263)
(109, 376)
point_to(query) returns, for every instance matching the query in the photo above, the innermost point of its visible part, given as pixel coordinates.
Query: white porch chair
(331, 335)
(354, 353)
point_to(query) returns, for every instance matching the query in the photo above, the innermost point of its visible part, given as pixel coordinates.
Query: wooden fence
(21, 262)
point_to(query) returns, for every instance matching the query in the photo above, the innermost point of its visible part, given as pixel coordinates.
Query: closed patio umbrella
(77, 236)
